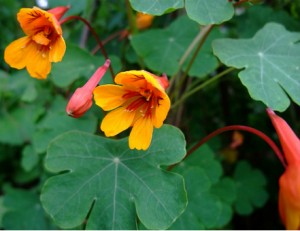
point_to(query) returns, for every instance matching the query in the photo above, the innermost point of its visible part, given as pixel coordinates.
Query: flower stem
(241, 128)
(201, 86)
(102, 49)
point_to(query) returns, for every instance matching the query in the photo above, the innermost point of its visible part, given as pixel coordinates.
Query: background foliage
(60, 172)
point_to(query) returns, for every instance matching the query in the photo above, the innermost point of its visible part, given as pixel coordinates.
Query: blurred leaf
(210, 196)
(162, 49)
(18, 125)
(57, 122)
(250, 187)
(29, 158)
(2, 211)
(207, 12)
(156, 7)
(114, 184)
(256, 17)
(76, 7)
(270, 64)
(77, 63)
(24, 211)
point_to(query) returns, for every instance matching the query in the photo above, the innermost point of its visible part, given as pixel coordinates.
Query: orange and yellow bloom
(43, 43)
(143, 21)
(289, 182)
(139, 101)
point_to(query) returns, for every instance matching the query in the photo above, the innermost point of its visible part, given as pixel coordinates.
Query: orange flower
(42, 44)
(143, 21)
(289, 182)
(139, 101)
(81, 100)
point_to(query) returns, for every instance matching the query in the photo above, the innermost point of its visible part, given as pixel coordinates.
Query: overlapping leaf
(270, 62)
(210, 196)
(156, 7)
(207, 12)
(114, 184)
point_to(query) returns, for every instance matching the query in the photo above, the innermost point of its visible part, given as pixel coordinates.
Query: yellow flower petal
(141, 134)
(57, 50)
(117, 121)
(15, 53)
(109, 96)
(161, 111)
(38, 65)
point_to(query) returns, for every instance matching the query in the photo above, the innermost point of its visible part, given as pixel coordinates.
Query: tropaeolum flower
(139, 101)
(42, 44)
(289, 182)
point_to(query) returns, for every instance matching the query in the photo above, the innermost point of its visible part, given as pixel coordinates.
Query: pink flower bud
(81, 100)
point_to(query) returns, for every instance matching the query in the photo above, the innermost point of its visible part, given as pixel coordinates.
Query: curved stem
(95, 35)
(201, 86)
(241, 128)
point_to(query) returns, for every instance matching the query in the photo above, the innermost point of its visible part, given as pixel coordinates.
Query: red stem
(232, 128)
(95, 35)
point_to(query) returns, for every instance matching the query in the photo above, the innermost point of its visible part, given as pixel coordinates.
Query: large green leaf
(162, 49)
(210, 196)
(113, 184)
(156, 7)
(270, 62)
(207, 12)
(250, 186)
(79, 63)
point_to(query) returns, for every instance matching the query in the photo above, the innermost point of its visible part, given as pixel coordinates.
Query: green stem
(131, 17)
(201, 86)
(102, 49)
(234, 128)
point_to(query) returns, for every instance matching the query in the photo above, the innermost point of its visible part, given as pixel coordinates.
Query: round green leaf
(207, 12)
(250, 186)
(113, 184)
(156, 7)
(270, 62)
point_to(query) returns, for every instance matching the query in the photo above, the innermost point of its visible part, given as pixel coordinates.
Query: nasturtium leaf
(207, 12)
(57, 122)
(210, 196)
(270, 62)
(156, 7)
(80, 63)
(115, 185)
(250, 186)
(29, 158)
(24, 211)
(2, 211)
(162, 49)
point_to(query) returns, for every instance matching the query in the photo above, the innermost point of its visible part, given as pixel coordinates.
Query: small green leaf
(156, 7)
(270, 62)
(24, 211)
(77, 63)
(18, 125)
(207, 12)
(250, 187)
(162, 49)
(29, 158)
(114, 184)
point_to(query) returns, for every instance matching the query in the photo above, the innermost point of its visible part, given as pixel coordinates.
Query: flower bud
(59, 11)
(81, 100)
